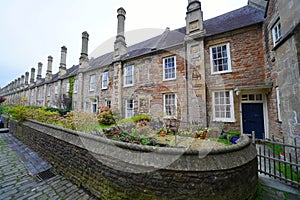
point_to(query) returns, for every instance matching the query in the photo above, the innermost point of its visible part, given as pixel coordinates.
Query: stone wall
(116, 170)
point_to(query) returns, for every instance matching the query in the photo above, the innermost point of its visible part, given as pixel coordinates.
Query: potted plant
(163, 132)
(233, 136)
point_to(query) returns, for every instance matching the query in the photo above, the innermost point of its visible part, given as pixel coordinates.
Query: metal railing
(279, 159)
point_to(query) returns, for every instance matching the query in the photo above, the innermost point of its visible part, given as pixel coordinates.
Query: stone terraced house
(239, 70)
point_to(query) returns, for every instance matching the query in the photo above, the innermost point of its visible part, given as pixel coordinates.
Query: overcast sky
(31, 30)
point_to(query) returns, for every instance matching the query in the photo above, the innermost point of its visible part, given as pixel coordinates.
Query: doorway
(253, 119)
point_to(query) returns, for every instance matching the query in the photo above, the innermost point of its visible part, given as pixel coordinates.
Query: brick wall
(247, 64)
(114, 170)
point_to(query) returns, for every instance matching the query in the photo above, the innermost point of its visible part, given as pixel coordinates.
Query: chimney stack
(15, 84)
(22, 80)
(19, 83)
(84, 48)
(63, 58)
(49, 68)
(194, 19)
(26, 78)
(120, 47)
(32, 76)
(39, 74)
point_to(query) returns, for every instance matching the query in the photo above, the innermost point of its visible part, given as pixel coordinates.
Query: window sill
(225, 120)
(171, 79)
(223, 72)
(126, 86)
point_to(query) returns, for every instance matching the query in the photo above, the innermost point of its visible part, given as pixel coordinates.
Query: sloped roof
(236, 19)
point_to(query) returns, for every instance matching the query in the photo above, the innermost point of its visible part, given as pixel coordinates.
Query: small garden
(140, 129)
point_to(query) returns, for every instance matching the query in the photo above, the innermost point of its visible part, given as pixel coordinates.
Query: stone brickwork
(115, 170)
(283, 64)
(247, 64)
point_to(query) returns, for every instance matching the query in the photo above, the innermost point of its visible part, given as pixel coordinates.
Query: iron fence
(279, 159)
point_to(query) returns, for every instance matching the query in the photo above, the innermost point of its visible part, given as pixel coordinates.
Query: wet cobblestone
(18, 167)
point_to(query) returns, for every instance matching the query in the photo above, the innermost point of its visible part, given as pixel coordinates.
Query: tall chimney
(26, 78)
(16, 84)
(84, 48)
(63, 57)
(49, 68)
(39, 74)
(19, 83)
(194, 19)
(22, 80)
(120, 47)
(32, 76)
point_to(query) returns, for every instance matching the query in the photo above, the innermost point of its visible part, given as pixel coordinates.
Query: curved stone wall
(116, 170)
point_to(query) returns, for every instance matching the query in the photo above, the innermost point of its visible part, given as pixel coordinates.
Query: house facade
(228, 72)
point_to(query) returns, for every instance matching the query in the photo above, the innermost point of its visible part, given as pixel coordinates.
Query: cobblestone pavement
(18, 169)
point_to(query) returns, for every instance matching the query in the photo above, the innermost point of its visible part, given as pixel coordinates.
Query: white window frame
(173, 68)
(129, 111)
(105, 80)
(49, 91)
(92, 82)
(223, 106)
(75, 85)
(278, 104)
(56, 89)
(213, 71)
(68, 87)
(276, 33)
(128, 75)
(108, 103)
(165, 103)
(94, 104)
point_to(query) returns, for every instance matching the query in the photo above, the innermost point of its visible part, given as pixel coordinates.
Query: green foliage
(106, 116)
(70, 92)
(125, 121)
(138, 118)
(288, 172)
(18, 112)
(61, 112)
(79, 121)
(3, 109)
(276, 148)
(42, 115)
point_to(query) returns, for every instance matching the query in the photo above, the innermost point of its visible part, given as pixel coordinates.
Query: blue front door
(253, 119)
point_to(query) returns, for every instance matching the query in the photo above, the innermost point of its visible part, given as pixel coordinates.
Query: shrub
(79, 121)
(106, 116)
(61, 112)
(19, 112)
(3, 109)
(2, 99)
(138, 118)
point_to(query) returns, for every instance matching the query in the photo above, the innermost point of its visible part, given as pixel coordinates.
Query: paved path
(19, 166)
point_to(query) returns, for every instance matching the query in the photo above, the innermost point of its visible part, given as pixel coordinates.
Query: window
(223, 109)
(129, 108)
(105, 80)
(94, 106)
(49, 91)
(276, 32)
(75, 85)
(278, 103)
(170, 105)
(220, 59)
(87, 106)
(75, 105)
(68, 87)
(56, 89)
(169, 68)
(128, 75)
(92, 82)
(108, 103)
